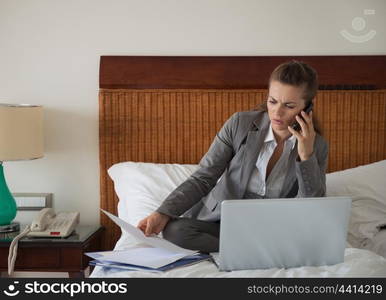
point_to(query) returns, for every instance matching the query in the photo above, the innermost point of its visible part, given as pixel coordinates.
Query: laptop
(282, 233)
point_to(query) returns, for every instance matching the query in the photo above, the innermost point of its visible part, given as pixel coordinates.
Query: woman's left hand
(306, 136)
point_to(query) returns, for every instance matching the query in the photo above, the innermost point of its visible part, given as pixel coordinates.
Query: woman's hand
(305, 137)
(153, 223)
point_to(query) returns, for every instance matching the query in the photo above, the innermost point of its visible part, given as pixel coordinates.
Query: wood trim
(235, 72)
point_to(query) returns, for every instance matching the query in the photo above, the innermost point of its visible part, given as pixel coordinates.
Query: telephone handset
(49, 224)
(307, 110)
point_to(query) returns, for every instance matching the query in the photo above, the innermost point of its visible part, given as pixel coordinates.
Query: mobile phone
(307, 109)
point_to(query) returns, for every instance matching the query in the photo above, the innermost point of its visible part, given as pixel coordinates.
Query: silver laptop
(283, 233)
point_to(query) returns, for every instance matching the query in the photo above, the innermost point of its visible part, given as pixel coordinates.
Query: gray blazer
(232, 156)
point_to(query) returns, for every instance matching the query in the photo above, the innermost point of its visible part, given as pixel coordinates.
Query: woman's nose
(279, 110)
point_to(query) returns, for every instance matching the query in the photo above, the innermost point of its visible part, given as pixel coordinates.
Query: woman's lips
(277, 122)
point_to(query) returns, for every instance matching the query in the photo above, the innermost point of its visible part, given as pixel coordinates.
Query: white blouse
(274, 184)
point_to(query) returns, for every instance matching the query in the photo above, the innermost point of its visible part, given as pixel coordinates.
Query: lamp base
(14, 226)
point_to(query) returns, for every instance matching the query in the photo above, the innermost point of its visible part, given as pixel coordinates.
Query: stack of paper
(185, 261)
(158, 254)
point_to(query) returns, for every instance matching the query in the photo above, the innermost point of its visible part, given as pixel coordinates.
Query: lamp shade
(21, 132)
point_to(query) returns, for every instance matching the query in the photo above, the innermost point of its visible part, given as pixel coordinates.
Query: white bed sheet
(357, 263)
(146, 192)
(377, 244)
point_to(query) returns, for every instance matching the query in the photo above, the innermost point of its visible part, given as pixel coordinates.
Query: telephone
(49, 224)
(46, 224)
(307, 109)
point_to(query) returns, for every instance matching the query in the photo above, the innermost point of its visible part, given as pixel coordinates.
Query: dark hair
(297, 74)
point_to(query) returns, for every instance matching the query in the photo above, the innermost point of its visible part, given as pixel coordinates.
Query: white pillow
(142, 187)
(366, 185)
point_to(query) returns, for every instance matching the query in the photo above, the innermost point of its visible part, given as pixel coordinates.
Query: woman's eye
(274, 102)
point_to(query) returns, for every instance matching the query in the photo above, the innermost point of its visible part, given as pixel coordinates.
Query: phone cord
(13, 250)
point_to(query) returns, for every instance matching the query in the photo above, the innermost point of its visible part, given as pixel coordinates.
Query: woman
(256, 154)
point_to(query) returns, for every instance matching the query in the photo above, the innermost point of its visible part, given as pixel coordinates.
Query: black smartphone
(307, 109)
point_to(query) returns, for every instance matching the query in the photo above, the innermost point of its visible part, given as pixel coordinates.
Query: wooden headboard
(168, 109)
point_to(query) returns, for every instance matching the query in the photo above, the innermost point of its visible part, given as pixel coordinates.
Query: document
(154, 241)
(160, 253)
(146, 257)
(185, 261)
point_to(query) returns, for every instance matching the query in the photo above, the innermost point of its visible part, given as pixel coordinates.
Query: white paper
(154, 241)
(147, 257)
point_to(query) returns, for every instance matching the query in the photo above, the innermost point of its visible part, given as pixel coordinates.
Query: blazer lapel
(289, 180)
(253, 144)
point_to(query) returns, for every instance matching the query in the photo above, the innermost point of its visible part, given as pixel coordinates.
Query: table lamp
(21, 138)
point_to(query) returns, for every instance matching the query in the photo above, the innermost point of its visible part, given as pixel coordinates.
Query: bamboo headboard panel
(164, 120)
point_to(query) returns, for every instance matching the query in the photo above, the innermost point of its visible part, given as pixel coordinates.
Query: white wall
(50, 49)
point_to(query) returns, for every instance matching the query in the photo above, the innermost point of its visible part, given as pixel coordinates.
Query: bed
(158, 116)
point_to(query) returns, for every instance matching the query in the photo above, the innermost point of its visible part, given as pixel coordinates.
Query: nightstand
(54, 254)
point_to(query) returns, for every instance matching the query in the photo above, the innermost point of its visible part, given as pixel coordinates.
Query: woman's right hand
(153, 223)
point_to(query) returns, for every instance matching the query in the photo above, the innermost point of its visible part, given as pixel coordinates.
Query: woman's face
(284, 103)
